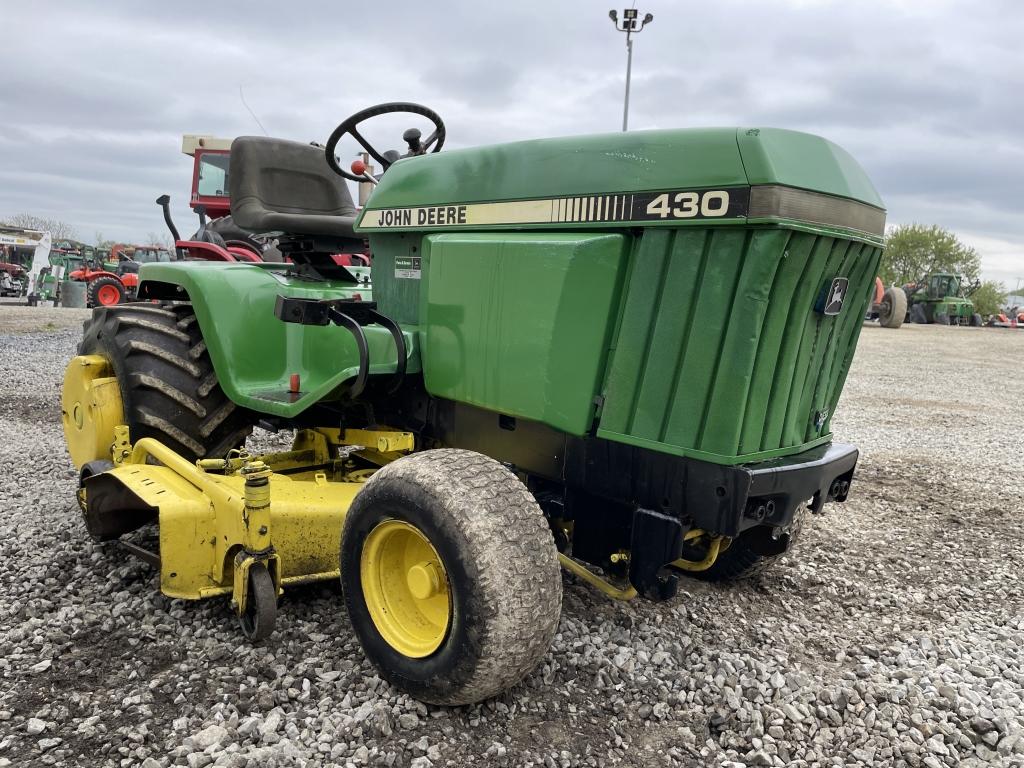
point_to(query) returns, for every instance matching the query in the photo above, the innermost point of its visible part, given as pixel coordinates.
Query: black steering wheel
(433, 143)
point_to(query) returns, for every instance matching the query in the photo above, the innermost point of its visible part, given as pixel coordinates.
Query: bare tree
(164, 240)
(59, 230)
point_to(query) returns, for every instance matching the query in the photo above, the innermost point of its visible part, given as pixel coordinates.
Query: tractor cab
(210, 177)
(940, 286)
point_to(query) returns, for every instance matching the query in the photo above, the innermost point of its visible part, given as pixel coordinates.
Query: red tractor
(108, 286)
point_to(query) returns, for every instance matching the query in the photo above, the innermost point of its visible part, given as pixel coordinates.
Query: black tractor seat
(287, 186)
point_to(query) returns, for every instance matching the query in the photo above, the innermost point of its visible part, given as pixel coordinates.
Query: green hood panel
(615, 164)
(254, 353)
(570, 165)
(804, 161)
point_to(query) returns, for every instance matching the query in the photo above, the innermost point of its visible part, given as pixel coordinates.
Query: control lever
(412, 138)
(359, 169)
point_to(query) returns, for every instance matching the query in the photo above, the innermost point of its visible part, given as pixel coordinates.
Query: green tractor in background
(618, 352)
(940, 297)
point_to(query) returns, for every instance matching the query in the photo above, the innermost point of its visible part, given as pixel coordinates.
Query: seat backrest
(269, 177)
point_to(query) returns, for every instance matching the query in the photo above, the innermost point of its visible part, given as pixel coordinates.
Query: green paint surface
(254, 353)
(520, 323)
(720, 354)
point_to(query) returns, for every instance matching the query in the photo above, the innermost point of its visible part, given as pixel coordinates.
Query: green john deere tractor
(941, 298)
(618, 354)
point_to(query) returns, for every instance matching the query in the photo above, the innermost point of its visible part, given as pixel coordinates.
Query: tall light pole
(630, 24)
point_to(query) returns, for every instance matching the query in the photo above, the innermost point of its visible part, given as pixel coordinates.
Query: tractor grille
(721, 354)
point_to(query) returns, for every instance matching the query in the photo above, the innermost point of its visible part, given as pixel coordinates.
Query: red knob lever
(358, 167)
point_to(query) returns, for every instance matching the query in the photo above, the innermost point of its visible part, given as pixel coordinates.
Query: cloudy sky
(927, 94)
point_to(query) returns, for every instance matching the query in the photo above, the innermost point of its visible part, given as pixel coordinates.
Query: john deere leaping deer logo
(833, 299)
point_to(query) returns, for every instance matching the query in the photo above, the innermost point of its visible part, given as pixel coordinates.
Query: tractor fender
(198, 249)
(255, 354)
(90, 275)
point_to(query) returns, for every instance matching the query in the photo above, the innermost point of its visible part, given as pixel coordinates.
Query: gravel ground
(892, 636)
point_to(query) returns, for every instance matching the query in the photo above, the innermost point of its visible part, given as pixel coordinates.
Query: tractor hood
(671, 178)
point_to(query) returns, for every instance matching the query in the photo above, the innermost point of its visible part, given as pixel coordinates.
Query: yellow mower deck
(204, 519)
(218, 518)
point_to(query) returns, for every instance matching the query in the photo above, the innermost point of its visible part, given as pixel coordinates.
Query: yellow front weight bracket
(716, 545)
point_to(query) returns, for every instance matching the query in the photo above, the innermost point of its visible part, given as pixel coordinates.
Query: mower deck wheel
(257, 622)
(450, 575)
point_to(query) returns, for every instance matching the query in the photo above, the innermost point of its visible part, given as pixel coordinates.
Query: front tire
(893, 308)
(489, 604)
(168, 387)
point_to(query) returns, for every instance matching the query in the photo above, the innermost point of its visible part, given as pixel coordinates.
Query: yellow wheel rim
(91, 407)
(406, 588)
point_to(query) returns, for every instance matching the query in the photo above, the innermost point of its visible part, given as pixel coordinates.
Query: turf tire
(168, 386)
(896, 300)
(502, 567)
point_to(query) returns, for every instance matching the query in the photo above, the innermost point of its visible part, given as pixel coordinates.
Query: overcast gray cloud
(94, 97)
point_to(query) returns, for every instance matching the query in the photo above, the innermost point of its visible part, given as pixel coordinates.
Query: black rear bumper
(771, 492)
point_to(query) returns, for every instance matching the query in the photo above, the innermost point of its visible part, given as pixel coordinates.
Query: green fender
(253, 352)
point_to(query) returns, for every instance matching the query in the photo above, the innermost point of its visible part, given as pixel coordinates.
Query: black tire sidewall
(263, 600)
(454, 662)
(103, 336)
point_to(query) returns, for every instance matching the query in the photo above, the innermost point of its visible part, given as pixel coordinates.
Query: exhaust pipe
(164, 201)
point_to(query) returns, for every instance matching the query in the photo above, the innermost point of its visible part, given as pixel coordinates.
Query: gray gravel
(893, 636)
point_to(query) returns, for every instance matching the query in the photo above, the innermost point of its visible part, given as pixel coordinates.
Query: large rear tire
(893, 309)
(451, 576)
(167, 383)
